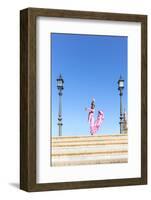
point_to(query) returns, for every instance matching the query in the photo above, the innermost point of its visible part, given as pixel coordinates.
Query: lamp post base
(60, 128)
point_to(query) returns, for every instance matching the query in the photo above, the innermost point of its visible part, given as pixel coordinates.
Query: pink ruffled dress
(95, 124)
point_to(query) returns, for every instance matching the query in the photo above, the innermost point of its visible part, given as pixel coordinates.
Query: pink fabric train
(94, 124)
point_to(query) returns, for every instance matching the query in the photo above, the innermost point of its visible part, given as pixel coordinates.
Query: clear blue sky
(91, 66)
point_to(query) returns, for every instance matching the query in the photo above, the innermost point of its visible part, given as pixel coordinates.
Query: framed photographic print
(83, 99)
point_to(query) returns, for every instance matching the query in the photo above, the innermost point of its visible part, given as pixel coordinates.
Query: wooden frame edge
(28, 99)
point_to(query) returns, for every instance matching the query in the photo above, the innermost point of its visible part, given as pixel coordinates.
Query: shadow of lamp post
(120, 88)
(60, 87)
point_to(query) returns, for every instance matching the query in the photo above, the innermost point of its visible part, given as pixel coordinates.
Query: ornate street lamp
(120, 88)
(60, 87)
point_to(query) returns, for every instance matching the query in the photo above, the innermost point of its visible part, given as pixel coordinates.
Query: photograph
(89, 99)
(83, 99)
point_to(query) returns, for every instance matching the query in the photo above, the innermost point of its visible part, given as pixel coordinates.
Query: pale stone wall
(85, 150)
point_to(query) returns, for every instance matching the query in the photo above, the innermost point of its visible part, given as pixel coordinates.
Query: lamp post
(120, 88)
(60, 87)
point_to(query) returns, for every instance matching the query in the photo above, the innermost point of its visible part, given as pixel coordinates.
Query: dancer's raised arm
(89, 109)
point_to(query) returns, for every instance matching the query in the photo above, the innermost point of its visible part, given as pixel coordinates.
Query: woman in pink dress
(94, 124)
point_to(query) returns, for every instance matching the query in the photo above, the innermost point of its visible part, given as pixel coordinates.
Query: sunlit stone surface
(86, 150)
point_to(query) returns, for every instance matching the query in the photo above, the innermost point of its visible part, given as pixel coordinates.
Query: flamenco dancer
(94, 124)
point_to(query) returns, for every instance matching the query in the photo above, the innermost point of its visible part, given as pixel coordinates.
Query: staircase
(86, 150)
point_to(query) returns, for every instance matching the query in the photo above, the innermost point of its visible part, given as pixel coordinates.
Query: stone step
(87, 139)
(87, 152)
(86, 160)
(90, 148)
(89, 162)
(89, 143)
(82, 150)
(94, 137)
